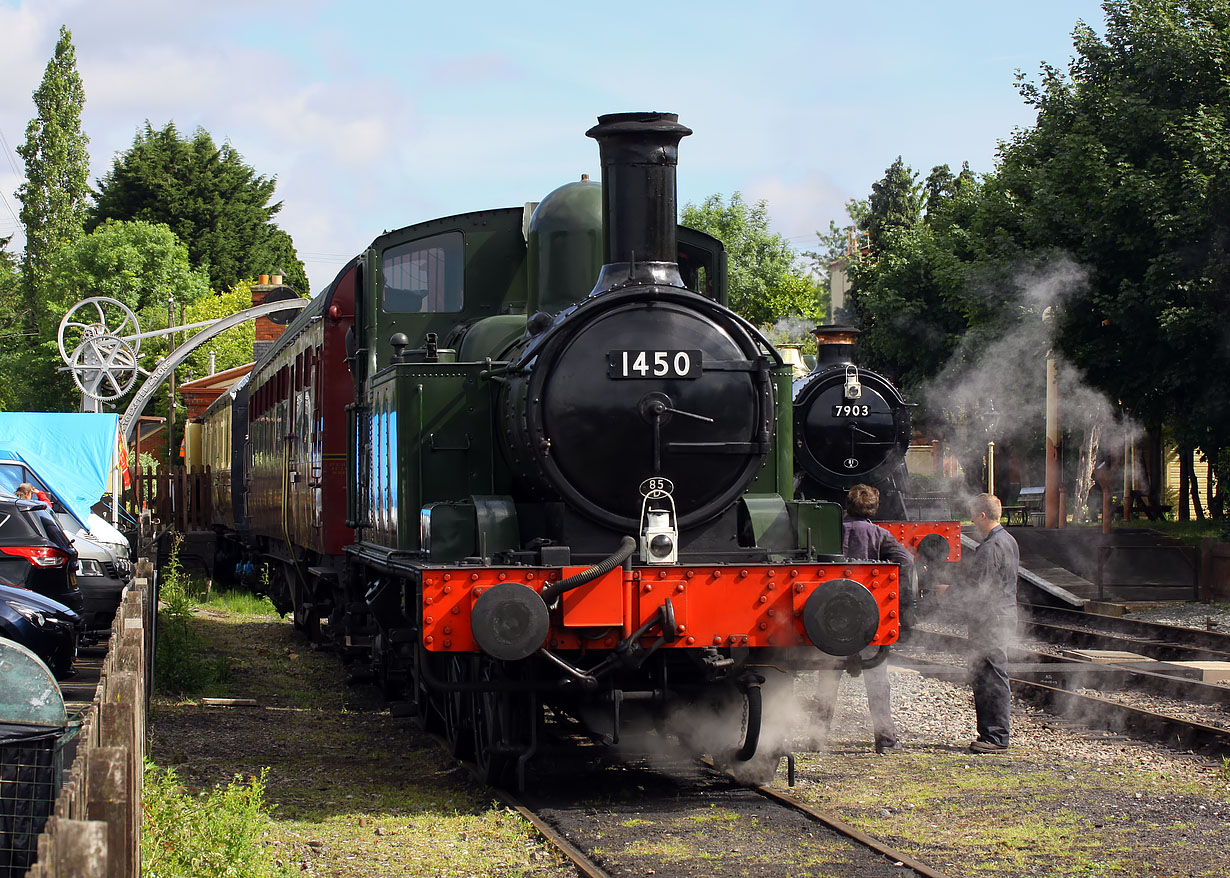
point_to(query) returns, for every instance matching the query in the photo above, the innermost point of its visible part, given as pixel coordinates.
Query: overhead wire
(17, 172)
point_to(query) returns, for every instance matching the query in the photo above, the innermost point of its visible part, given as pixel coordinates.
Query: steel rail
(552, 836)
(1167, 650)
(854, 834)
(834, 823)
(1095, 710)
(1158, 677)
(585, 866)
(1158, 632)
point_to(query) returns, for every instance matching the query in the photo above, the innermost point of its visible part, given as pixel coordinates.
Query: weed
(715, 815)
(1224, 771)
(242, 603)
(218, 833)
(180, 665)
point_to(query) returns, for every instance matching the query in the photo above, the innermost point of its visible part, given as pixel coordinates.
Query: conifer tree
(53, 198)
(214, 202)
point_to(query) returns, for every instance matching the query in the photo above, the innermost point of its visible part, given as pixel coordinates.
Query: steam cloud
(1008, 371)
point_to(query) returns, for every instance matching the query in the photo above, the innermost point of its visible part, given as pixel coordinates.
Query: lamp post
(990, 421)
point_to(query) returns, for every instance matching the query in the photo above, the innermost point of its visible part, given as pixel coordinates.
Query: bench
(1017, 515)
(1031, 498)
(1155, 512)
(1029, 508)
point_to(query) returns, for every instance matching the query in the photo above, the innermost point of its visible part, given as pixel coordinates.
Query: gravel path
(940, 712)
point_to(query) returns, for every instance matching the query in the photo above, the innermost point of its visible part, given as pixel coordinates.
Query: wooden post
(78, 848)
(111, 803)
(1054, 476)
(1206, 570)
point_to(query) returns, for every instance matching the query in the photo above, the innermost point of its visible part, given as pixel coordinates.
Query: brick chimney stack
(267, 332)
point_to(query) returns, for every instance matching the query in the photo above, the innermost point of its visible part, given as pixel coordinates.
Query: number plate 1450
(654, 364)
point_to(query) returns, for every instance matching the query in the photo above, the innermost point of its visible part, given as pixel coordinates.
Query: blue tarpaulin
(72, 453)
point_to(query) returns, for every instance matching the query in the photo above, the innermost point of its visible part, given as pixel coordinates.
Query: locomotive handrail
(615, 297)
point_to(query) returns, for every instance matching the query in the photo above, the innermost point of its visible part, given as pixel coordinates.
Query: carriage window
(424, 276)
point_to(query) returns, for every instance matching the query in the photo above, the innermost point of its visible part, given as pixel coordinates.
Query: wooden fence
(95, 830)
(179, 498)
(1214, 571)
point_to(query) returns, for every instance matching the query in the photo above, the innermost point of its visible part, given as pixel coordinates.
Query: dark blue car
(47, 628)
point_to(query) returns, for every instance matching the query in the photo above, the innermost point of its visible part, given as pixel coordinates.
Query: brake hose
(555, 589)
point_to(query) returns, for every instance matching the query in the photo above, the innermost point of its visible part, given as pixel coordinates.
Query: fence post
(119, 720)
(78, 848)
(1102, 552)
(111, 803)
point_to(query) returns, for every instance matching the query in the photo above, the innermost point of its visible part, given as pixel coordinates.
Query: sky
(375, 115)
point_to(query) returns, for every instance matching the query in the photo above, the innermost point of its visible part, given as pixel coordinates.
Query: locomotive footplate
(752, 605)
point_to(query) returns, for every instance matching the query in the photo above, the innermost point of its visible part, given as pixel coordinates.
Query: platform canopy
(73, 454)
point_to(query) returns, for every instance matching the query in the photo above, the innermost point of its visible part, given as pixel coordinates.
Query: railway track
(1162, 642)
(675, 817)
(1128, 699)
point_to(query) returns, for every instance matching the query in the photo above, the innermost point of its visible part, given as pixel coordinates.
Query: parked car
(36, 554)
(46, 627)
(104, 562)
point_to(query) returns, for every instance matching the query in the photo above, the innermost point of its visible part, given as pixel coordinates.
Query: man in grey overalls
(990, 601)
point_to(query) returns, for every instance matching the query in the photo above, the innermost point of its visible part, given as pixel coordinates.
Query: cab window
(424, 276)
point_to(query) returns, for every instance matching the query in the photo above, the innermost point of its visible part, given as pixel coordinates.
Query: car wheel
(65, 660)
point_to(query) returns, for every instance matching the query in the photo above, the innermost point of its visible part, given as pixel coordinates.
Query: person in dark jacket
(991, 618)
(863, 539)
(55, 533)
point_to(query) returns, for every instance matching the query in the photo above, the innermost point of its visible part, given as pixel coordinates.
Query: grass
(182, 664)
(1015, 815)
(351, 790)
(715, 815)
(1190, 532)
(221, 832)
(240, 603)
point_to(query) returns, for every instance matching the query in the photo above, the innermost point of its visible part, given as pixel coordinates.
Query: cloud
(373, 116)
(800, 206)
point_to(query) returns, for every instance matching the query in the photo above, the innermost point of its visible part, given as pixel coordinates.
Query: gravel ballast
(1064, 800)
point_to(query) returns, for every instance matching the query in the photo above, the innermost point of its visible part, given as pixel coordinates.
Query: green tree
(233, 347)
(214, 202)
(765, 281)
(53, 197)
(1128, 168)
(138, 263)
(14, 327)
(841, 241)
(895, 204)
(942, 184)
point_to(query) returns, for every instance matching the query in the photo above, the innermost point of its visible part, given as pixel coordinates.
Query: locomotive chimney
(639, 152)
(834, 344)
